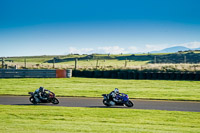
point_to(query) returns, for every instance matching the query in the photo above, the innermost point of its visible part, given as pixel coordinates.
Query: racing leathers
(114, 96)
(38, 95)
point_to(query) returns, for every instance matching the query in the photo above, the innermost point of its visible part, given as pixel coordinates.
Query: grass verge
(23, 119)
(91, 87)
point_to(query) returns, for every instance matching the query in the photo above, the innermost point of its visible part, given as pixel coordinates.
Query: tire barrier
(106, 74)
(98, 74)
(119, 74)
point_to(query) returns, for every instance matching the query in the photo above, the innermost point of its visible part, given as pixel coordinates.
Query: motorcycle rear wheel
(32, 100)
(105, 102)
(55, 101)
(129, 104)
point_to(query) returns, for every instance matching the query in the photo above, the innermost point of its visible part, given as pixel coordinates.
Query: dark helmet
(41, 89)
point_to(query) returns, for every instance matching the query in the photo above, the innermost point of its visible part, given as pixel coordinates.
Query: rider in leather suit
(38, 94)
(114, 95)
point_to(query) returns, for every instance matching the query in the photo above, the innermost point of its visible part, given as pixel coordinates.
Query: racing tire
(55, 101)
(129, 104)
(105, 102)
(32, 100)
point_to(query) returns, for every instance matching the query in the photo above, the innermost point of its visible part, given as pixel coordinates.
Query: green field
(23, 119)
(180, 61)
(84, 61)
(91, 87)
(67, 58)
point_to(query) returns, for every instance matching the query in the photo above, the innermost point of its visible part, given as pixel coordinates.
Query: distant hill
(171, 49)
(196, 49)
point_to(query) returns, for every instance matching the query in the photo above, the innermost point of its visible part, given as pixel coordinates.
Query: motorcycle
(51, 98)
(123, 100)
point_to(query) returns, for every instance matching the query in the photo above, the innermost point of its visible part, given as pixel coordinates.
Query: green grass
(23, 119)
(111, 62)
(33, 59)
(91, 87)
(103, 61)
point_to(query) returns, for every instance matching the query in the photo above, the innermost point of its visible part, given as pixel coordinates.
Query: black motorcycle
(51, 98)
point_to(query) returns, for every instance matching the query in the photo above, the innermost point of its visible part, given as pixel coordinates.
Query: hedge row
(138, 75)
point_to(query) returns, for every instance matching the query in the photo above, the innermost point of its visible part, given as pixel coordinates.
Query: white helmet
(116, 90)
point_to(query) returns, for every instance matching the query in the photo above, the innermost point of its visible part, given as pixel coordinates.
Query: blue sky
(49, 27)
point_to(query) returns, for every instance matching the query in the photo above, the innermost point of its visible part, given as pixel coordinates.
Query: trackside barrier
(115, 74)
(35, 73)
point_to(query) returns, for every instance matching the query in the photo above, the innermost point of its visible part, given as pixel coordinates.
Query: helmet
(41, 89)
(116, 90)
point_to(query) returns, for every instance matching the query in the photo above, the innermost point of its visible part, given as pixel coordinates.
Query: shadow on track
(34, 104)
(121, 107)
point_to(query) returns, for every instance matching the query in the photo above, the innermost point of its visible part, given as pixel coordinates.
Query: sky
(58, 27)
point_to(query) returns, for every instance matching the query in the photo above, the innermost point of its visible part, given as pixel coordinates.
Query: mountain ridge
(172, 49)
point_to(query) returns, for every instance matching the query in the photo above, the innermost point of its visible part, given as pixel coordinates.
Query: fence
(33, 73)
(138, 75)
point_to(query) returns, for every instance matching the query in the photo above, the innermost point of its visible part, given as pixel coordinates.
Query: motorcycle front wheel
(55, 101)
(129, 104)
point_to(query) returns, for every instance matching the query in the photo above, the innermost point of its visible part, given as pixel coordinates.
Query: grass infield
(23, 119)
(91, 87)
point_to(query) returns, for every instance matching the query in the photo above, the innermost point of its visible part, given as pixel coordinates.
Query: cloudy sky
(56, 27)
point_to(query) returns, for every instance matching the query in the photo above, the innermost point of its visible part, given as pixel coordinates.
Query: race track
(97, 103)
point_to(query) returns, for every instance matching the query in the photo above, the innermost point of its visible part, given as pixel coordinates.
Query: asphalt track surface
(97, 103)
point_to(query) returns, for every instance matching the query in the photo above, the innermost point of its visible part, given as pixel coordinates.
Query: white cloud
(99, 50)
(111, 50)
(74, 50)
(149, 47)
(132, 49)
(190, 45)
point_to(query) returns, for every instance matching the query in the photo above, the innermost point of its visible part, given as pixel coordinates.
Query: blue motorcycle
(123, 100)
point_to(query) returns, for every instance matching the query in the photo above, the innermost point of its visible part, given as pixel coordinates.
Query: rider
(38, 94)
(114, 95)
